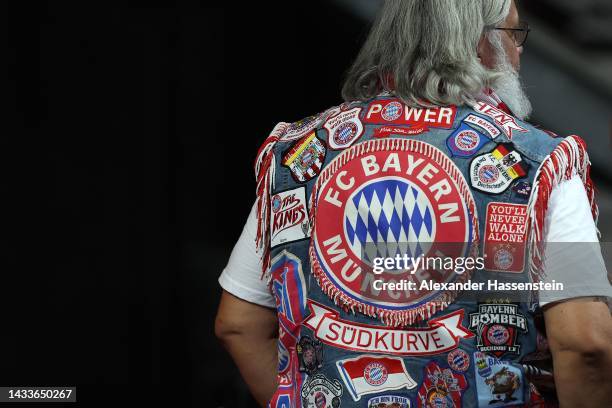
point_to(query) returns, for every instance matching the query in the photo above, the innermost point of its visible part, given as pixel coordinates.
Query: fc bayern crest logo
(345, 133)
(498, 334)
(276, 203)
(458, 360)
(392, 111)
(375, 374)
(488, 174)
(503, 259)
(467, 140)
(385, 198)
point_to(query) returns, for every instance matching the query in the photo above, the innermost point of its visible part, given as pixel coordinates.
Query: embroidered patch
(497, 327)
(370, 374)
(505, 237)
(383, 198)
(393, 111)
(442, 334)
(289, 220)
(389, 401)
(441, 387)
(385, 131)
(494, 172)
(465, 141)
(310, 354)
(502, 119)
(301, 128)
(522, 189)
(289, 288)
(343, 129)
(458, 360)
(484, 125)
(305, 158)
(320, 392)
(498, 383)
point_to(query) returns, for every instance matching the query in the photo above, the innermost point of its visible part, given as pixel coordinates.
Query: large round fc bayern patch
(394, 201)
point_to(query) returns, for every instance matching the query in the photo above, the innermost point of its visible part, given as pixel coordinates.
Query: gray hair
(426, 51)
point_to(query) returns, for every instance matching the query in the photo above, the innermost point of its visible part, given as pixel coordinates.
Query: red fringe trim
(570, 157)
(264, 174)
(393, 318)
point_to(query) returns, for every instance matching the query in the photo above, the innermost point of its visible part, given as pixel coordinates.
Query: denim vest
(370, 180)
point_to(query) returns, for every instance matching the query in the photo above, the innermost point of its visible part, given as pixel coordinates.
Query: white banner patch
(483, 124)
(504, 120)
(289, 217)
(370, 374)
(442, 334)
(344, 129)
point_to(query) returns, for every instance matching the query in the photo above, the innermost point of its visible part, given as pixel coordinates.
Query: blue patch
(498, 383)
(465, 141)
(522, 189)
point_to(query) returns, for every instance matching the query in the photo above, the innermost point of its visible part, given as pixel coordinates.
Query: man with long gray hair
(330, 298)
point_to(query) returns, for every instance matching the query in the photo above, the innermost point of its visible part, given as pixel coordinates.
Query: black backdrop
(127, 177)
(126, 158)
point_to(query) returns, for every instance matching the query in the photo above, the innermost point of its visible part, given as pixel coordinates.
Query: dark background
(127, 171)
(127, 178)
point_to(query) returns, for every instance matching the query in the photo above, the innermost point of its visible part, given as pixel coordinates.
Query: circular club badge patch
(345, 133)
(276, 203)
(383, 199)
(498, 334)
(392, 111)
(488, 174)
(320, 400)
(503, 259)
(467, 140)
(375, 374)
(458, 360)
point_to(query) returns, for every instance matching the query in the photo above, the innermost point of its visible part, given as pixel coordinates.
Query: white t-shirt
(568, 220)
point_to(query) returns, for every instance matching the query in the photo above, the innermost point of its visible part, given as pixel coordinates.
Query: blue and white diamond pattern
(346, 132)
(392, 111)
(387, 217)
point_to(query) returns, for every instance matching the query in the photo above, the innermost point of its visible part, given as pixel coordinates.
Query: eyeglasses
(519, 34)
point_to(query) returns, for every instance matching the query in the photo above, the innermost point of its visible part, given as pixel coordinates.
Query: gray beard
(509, 87)
(510, 90)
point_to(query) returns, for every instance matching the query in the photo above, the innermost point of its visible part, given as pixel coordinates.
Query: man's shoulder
(306, 126)
(535, 141)
(539, 143)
